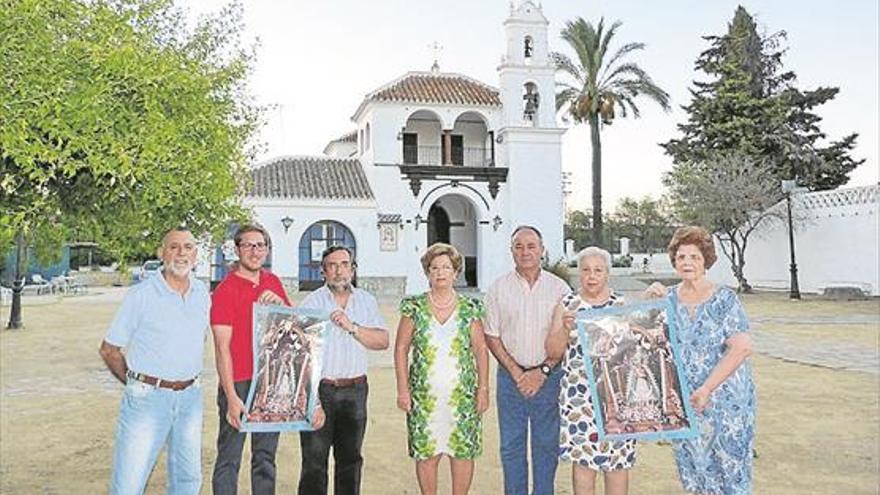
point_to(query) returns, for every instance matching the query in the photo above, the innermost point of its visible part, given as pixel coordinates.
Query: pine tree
(751, 106)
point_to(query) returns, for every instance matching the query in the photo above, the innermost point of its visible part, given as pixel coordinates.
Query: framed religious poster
(287, 368)
(633, 367)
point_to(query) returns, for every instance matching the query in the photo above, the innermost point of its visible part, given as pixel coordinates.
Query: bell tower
(526, 72)
(530, 143)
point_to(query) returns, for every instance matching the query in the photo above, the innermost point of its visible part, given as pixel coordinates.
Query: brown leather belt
(175, 385)
(344, 382)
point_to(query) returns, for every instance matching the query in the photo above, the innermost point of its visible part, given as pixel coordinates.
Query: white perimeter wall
(836, 243)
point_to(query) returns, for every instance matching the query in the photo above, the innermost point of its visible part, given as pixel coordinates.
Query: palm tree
(597, 85)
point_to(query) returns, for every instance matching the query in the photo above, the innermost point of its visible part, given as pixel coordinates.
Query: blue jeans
(150, 418)
(519, 416)
(230, 443)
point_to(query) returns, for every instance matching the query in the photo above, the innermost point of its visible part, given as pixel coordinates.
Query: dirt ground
(818, 429)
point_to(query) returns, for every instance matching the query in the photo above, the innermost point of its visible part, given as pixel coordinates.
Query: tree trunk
(598, 238)
(20, 270)
(739, 263)
(736, 256)
(743, 283)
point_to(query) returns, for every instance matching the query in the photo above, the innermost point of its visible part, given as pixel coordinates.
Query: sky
(317, 59)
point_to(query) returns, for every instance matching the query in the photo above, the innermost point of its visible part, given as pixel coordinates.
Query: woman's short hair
(440, 249)
(594, 251)
(694, 236)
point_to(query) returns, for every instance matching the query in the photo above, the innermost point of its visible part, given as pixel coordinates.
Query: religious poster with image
(287, 368)
(633, 367)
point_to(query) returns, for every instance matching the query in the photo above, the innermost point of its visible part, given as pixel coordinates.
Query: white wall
(535, 181)
(835, 244)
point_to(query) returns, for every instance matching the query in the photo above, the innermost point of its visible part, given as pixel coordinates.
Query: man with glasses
(161, 324)
(232, 326)
(357, 326)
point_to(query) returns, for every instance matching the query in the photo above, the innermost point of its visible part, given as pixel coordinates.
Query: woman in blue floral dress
(713, 337)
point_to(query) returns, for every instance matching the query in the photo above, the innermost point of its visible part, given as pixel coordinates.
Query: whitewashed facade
(434, 156)
(837, 244)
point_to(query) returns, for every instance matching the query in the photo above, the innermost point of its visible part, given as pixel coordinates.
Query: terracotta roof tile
(348, 137)
(429, 87)
(312, 177)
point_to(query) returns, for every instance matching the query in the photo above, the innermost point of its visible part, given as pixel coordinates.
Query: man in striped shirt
(519, 310)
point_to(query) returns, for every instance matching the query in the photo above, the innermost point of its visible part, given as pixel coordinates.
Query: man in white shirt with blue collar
(162, 325)
(357, 326)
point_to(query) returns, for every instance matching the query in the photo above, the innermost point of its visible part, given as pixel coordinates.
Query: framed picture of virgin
(633, 367)
(287, 368)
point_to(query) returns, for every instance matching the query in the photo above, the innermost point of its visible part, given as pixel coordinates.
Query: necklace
(441, 306)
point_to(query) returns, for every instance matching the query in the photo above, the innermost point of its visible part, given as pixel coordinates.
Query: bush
(624, 261)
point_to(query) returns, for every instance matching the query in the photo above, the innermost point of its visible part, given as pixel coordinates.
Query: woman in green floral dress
(444, 385)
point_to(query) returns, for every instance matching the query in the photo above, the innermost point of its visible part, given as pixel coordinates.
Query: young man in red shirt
(232, 326)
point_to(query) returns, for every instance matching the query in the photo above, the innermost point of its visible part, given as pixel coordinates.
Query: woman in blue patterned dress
(713, 336)
(578, 435)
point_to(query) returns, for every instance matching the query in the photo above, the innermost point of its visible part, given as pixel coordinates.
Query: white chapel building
(433, 156)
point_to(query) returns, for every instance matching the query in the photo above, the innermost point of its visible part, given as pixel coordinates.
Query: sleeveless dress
(578, 435)
(719, 460)
(443, 381)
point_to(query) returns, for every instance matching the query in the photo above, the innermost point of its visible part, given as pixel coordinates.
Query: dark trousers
(346, 412)
(229, 445)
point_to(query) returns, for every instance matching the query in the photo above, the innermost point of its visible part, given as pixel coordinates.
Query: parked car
(149, 268)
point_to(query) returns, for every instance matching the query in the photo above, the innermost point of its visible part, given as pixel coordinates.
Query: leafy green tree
(578, 227)
(118, 122)
(751, 106)
(597, 84)
(647, 222)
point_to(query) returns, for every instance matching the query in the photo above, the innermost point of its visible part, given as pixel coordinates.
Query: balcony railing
(432, 155)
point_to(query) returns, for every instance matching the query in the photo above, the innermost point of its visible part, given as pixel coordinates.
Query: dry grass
(818, 429)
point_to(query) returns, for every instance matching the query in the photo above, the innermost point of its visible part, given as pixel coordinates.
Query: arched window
(531, 101)
(367, 137)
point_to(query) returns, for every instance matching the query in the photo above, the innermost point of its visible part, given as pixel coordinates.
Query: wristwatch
(354, 329)
(545, 368)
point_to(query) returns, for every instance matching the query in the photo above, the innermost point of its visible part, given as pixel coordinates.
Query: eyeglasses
(256, 246)
(342, 265)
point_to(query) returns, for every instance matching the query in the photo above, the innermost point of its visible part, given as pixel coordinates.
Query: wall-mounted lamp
(499, 139)
(400, 133)
(496, 222)
(286, 222)
(417, 220)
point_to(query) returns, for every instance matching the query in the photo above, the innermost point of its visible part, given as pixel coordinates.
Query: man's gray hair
(594, 251)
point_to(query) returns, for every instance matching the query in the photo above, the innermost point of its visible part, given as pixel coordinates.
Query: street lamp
(789, 187)
(286, 222)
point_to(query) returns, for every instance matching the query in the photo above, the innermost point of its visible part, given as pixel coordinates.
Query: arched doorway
(318, 237)
(452, 219)
(438, 224)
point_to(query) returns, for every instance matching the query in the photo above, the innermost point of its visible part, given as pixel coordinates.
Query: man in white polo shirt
(162, 325)
(519, 310)
(357, 327)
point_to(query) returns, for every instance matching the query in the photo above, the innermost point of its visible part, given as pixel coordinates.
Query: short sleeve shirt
(233, 305)
(343, 356)
(521, 314)
(162, 331)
